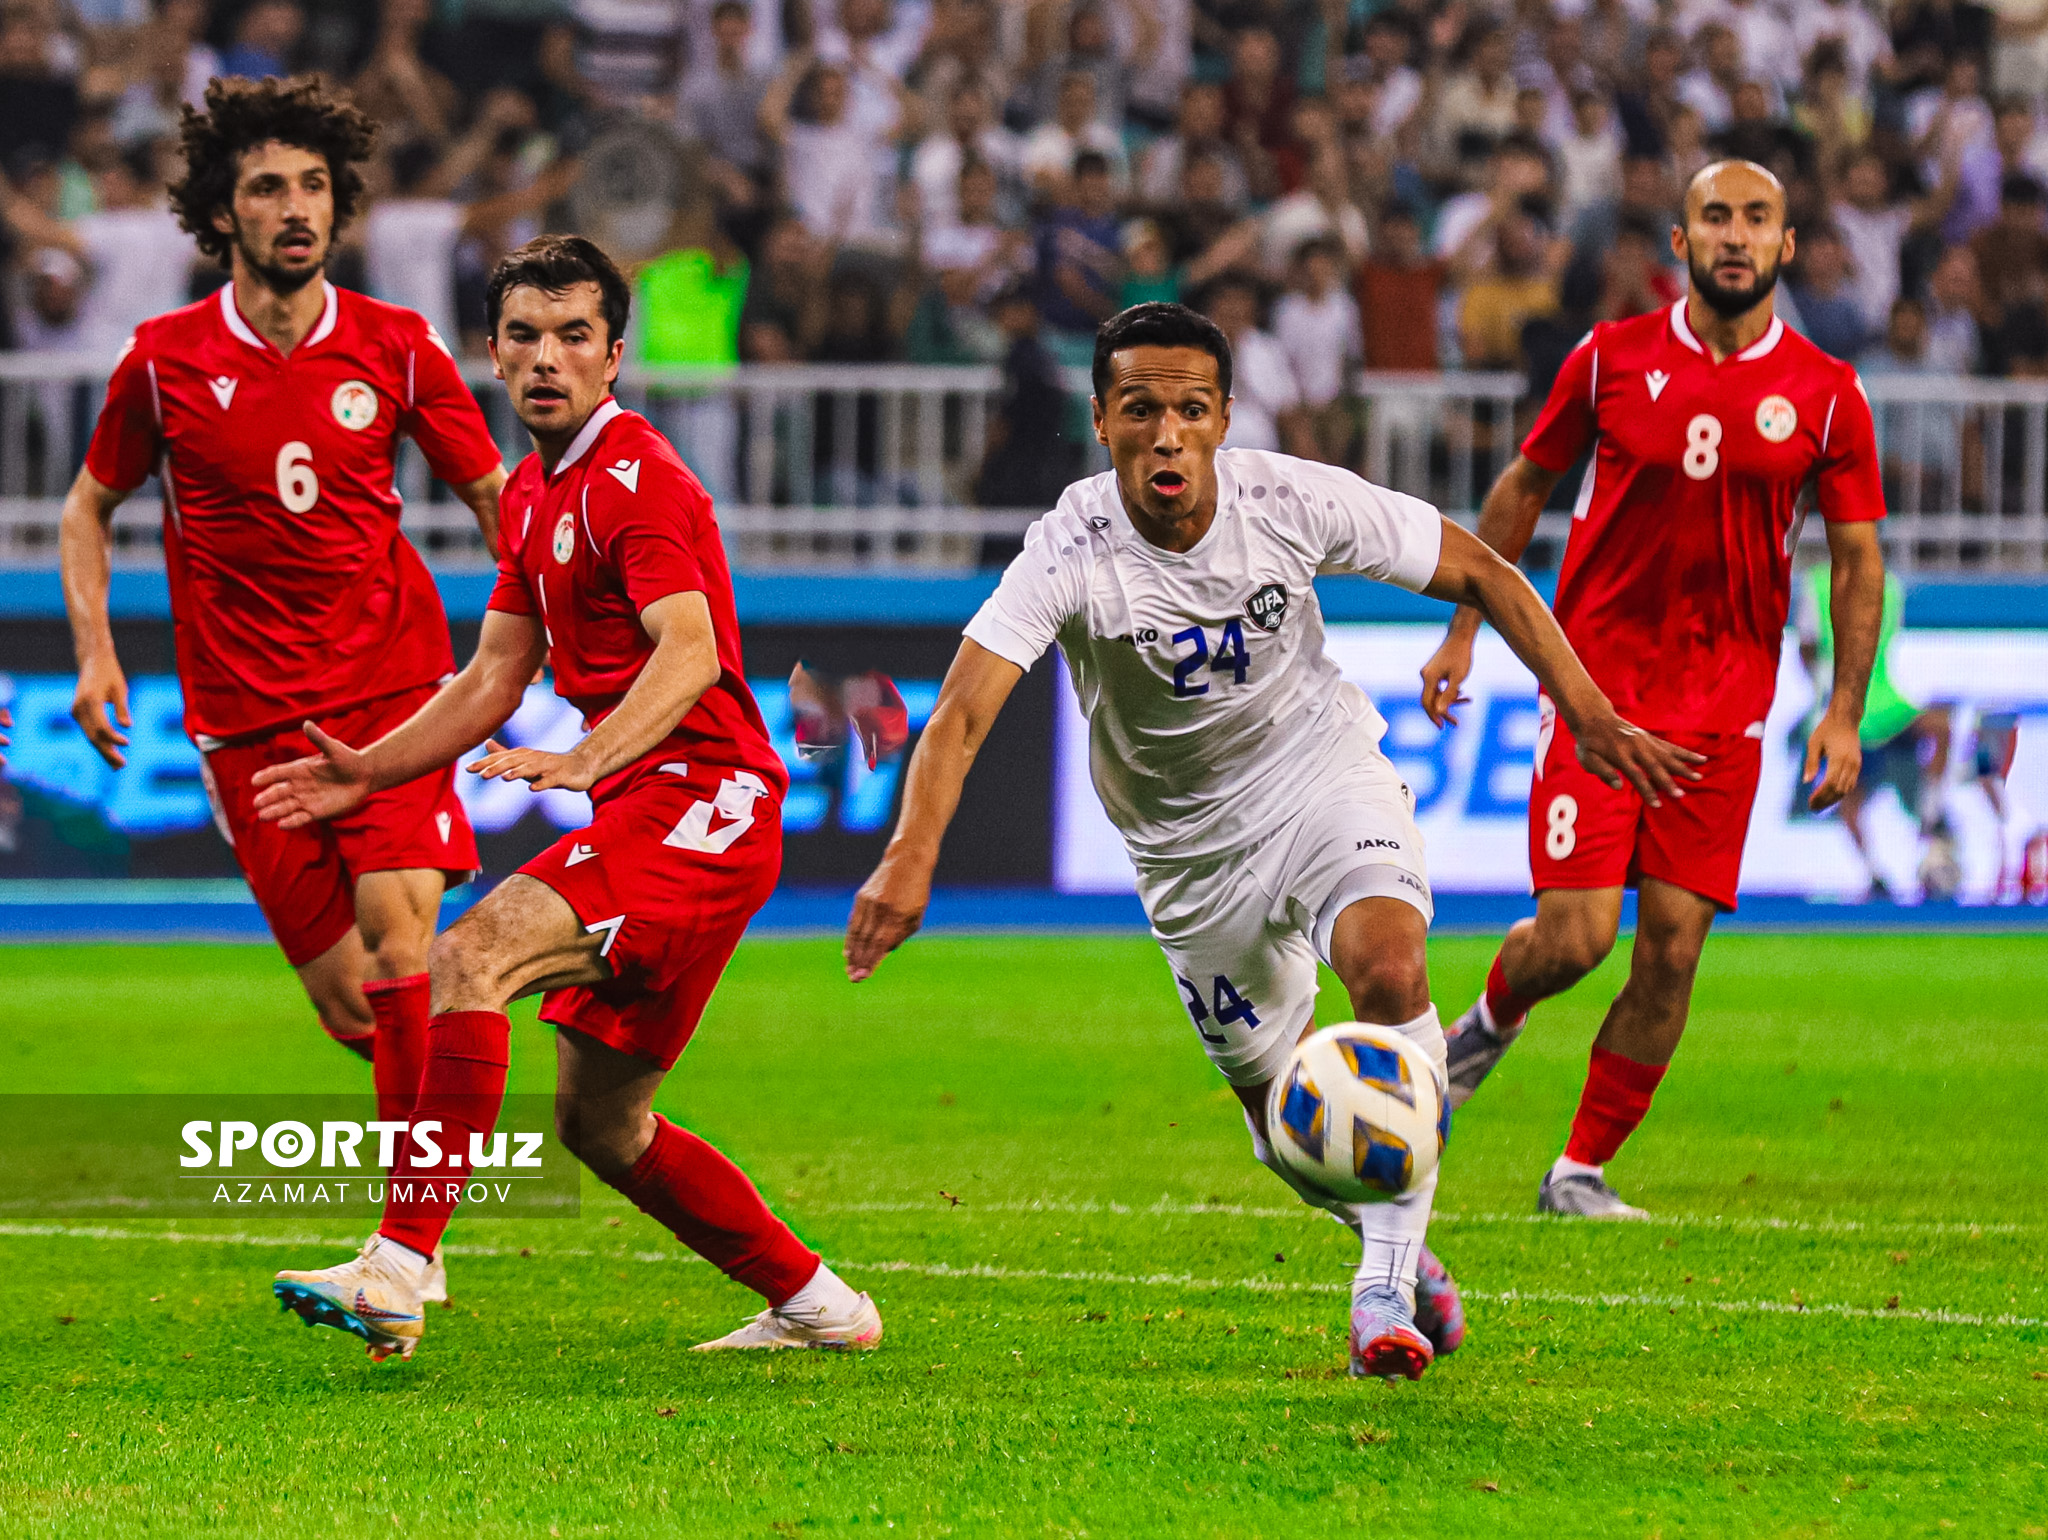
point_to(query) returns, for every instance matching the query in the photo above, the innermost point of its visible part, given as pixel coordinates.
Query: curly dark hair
(241, 114)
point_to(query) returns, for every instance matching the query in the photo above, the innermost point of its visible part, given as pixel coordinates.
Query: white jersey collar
(231, 314)
(593, 425)
(1757, 349)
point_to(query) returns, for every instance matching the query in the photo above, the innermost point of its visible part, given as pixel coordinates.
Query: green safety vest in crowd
(1886, 711)
(690, 309)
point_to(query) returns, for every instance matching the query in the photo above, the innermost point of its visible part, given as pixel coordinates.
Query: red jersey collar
(231, 313)
(593, 425)
(1756, 349)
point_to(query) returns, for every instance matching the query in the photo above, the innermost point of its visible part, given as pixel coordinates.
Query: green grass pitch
(1124, 1327)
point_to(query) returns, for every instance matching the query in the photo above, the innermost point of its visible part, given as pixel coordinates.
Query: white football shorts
(1242, 932)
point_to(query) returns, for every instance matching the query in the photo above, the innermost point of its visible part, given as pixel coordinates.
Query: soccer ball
(1359, 1113)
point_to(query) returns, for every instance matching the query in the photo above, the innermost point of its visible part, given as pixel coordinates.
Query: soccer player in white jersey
(1245, 774)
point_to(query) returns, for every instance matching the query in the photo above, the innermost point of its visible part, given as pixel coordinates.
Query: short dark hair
(1091, 163)
(241, 114)
(555, 264)
(726, 8)
(1159, 324)
(2018, 187)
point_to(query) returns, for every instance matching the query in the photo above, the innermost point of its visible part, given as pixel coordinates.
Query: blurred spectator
(961, 46)
(1860, 39)
(1388, 47)
(1927, 32)
(1477, 107)
(1063, 39)
(1399, 289)
(1080, 265)
(1709, 88)
(1201, 215)
(1633, 276)
(1323, 207)
(266, 36)
(407, 96)
(1029, 461)
(831, 164)
(1519, 285)
(1050, 150)
(1258, 107)
(1832, 115)
(1317, 325)
(1518, 168)
(1643, 192)
(1589, 157)
(1151, 273)
(1954, 296)
(1646, 106)
(1197, 130)
(1831, 317)
(785, 310)
(1951, 128)
(719, 105)
(1769, 49)
(169, 65)
(974, 256)
(1873, 226)
(969, 132)
(2012, 254)
(1919, 442)
(38, 107)
(1265, 405)
(1615, 35)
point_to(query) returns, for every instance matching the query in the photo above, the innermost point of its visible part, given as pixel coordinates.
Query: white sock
(1344, 1213)
(826, 1297)
(1565, 1166)
(401, 1256)
(1392, 1235)
(1486, 1016)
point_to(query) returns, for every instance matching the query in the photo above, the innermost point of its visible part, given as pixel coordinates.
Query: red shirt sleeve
(126, 440)
(511, 593)
(1850, 484)
(1567, 423)
(444, 419)
(650, 536)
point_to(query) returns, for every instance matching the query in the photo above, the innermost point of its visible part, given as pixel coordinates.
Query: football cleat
(1439, 1312)
(772, 1329)
(433, 1287)
(370, 1295)
(1384, 1342)
(1471, 1050)
(1583, 1197)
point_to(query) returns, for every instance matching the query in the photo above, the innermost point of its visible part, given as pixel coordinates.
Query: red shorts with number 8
(1584, 833)
(669, 871)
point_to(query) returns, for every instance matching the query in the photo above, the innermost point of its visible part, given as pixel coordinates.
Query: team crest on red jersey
(355, 405)
(1776, 418)
(565, 538)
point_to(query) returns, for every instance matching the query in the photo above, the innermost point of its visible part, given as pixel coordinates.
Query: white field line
(1670, 1303)
(1167, 1208)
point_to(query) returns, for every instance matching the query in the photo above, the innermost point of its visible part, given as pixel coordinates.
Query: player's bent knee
(462, 966)
(1391, 988)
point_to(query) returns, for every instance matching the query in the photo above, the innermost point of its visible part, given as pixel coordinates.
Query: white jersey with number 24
(1213, 709)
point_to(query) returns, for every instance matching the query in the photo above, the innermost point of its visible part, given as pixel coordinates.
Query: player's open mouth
(1169, 483)
(546, 395)
(297, 242)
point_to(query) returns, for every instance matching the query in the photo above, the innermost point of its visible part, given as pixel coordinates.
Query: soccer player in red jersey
(1708, 422)
(271, 414)
(613, 570)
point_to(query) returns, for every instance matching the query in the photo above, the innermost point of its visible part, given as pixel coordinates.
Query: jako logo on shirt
(1268, 607)
(355, 405)
(1776, 418)
(565, 538)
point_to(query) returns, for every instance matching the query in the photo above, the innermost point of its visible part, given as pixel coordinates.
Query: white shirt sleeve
(1043, 588)
(1375, 532)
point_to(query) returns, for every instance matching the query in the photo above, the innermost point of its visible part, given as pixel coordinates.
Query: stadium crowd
(1415, 184)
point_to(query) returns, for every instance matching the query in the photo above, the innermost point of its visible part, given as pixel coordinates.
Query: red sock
(363, 1047)
(1502, 1003)
(463, 1085)
(706, 1201)
(400, 1006)
(1616, 1097)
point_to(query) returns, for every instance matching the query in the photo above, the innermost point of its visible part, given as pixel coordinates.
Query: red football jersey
(619, 524)
(1678, 571)
(292, 590)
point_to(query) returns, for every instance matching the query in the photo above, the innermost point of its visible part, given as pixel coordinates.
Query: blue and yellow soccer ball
(1359, 1113)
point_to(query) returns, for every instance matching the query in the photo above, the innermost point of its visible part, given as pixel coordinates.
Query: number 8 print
(1702, 446)
(1562, 817)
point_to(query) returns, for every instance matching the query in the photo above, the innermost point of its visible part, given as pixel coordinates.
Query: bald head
(1734, 238)
(1736, 183)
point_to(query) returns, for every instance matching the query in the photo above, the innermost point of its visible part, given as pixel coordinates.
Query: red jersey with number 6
(619, 523)
(1677, 575)
(292, 589)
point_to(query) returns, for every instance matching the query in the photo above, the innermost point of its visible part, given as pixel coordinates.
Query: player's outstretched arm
(890, 905)
(1834, 750)
(482, 497)
(1469, 573)
(85, 541)
(683, 666)
(470, 707)
(1507, 522)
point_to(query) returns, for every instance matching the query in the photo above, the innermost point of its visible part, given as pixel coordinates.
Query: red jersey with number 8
(292, 590)
(1677, 574)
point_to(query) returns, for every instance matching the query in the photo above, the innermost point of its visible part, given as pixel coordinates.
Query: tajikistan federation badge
(1268, 607)
(1776, 418)
(355, 405)
(565, 538)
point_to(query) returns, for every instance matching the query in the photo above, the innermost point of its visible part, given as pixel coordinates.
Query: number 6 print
(733, 806)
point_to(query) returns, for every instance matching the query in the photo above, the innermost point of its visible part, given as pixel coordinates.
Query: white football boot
(861, 1330)
(373, 1295)
(433, 1287)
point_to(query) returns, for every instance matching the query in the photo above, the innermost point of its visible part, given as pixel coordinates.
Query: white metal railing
(873, 466)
